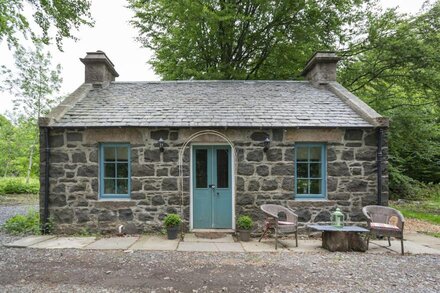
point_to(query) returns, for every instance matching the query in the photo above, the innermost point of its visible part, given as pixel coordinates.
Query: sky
(114, 35)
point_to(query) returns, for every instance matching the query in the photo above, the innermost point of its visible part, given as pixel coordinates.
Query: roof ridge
(212, 81)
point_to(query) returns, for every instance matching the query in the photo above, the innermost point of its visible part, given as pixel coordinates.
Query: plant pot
(244, 235)
(172, 232)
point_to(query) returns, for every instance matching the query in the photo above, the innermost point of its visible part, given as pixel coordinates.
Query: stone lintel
(334, 135)
(129, 135)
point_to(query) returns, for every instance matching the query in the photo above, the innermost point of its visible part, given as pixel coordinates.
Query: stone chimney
(321, 68)
(99, 70)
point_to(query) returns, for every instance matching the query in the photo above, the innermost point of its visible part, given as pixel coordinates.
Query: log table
(346, 238)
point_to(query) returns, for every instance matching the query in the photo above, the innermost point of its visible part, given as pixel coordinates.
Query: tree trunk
(343, 241)
(30, 160)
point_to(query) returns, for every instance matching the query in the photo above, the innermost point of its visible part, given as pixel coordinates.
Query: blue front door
(212, 187)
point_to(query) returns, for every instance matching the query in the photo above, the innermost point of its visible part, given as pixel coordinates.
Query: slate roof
(210, 104)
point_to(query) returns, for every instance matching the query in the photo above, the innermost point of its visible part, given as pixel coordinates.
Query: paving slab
(28, 241)
(381, 246)
(197, 246)
(229, 247)
(113, 243)
(423, 239)
(155, 243)
(65, 242)
(190, 237)
(263, 246)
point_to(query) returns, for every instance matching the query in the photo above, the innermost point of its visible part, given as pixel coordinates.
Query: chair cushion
(383, 226)
(285, 223)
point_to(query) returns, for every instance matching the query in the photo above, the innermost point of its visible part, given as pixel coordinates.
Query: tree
(235, 39)
(57, 16)
(6, 144)
(396, 70)
(35, 86)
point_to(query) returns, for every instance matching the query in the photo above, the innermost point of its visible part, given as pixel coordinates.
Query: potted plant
(172, 224)
(244, 224)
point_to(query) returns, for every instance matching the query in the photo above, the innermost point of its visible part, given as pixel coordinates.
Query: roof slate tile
(211, 103)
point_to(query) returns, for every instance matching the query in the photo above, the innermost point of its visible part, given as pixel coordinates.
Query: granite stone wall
(157, 189)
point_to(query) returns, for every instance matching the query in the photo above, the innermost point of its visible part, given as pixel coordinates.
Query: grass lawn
(427, 210)
(19, 199)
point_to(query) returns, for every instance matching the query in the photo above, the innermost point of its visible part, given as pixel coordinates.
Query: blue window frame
(115, 170)
(310, 170)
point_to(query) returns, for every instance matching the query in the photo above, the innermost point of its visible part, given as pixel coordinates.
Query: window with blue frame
(115, 170)
(310, 170)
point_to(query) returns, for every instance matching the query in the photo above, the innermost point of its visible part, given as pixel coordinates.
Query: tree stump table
(346, 238)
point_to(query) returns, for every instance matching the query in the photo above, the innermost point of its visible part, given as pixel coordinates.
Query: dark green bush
(245, 223)
(172, 220)
(404, 187)
(23, 224)
(17, 185)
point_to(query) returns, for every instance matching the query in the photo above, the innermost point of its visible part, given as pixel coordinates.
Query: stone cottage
(117, 153)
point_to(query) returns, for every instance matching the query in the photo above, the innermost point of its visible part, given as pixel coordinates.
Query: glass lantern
(337, 218)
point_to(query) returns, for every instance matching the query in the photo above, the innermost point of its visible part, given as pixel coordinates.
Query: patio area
(415, 243)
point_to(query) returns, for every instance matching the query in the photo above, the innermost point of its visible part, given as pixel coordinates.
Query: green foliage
(23, 224)
(56, 18)
(396, 70)
(245, 223)
(172, 220)
(36, 83)
(228, 39)
(428, 209)
(16, 142)
(35, 86)
(14, 185)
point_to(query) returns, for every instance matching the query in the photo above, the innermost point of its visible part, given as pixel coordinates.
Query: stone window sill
(312, 199)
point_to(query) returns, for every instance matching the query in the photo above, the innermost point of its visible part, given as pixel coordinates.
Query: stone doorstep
(190, 237)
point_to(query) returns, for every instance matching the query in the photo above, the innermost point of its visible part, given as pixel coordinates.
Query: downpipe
(379, 134)
(45, 228)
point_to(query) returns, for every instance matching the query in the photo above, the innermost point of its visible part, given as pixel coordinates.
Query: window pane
(315, 170)
(315, 154)
(302, 186)
(109, 153)
(122, 187)
(109, 170)
(222, 169)
(122, 170)
(122, 154)
(302, 170)
(109, 186)
(315, 186)
(201, 168)
(301, 154)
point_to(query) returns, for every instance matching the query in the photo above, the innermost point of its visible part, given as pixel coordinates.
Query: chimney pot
(98, 68)
(321, 68)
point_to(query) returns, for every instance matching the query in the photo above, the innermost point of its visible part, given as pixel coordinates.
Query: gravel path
(43, 270)
(7, 211)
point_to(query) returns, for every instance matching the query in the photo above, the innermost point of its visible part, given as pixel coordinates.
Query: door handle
(212, 186)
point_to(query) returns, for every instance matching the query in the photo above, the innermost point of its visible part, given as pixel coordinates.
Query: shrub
(17, 185)
(172, 220)
(23, 224)
(245, 223)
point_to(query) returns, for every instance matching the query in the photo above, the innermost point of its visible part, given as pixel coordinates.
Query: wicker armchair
(380, 222)
(274, 221)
